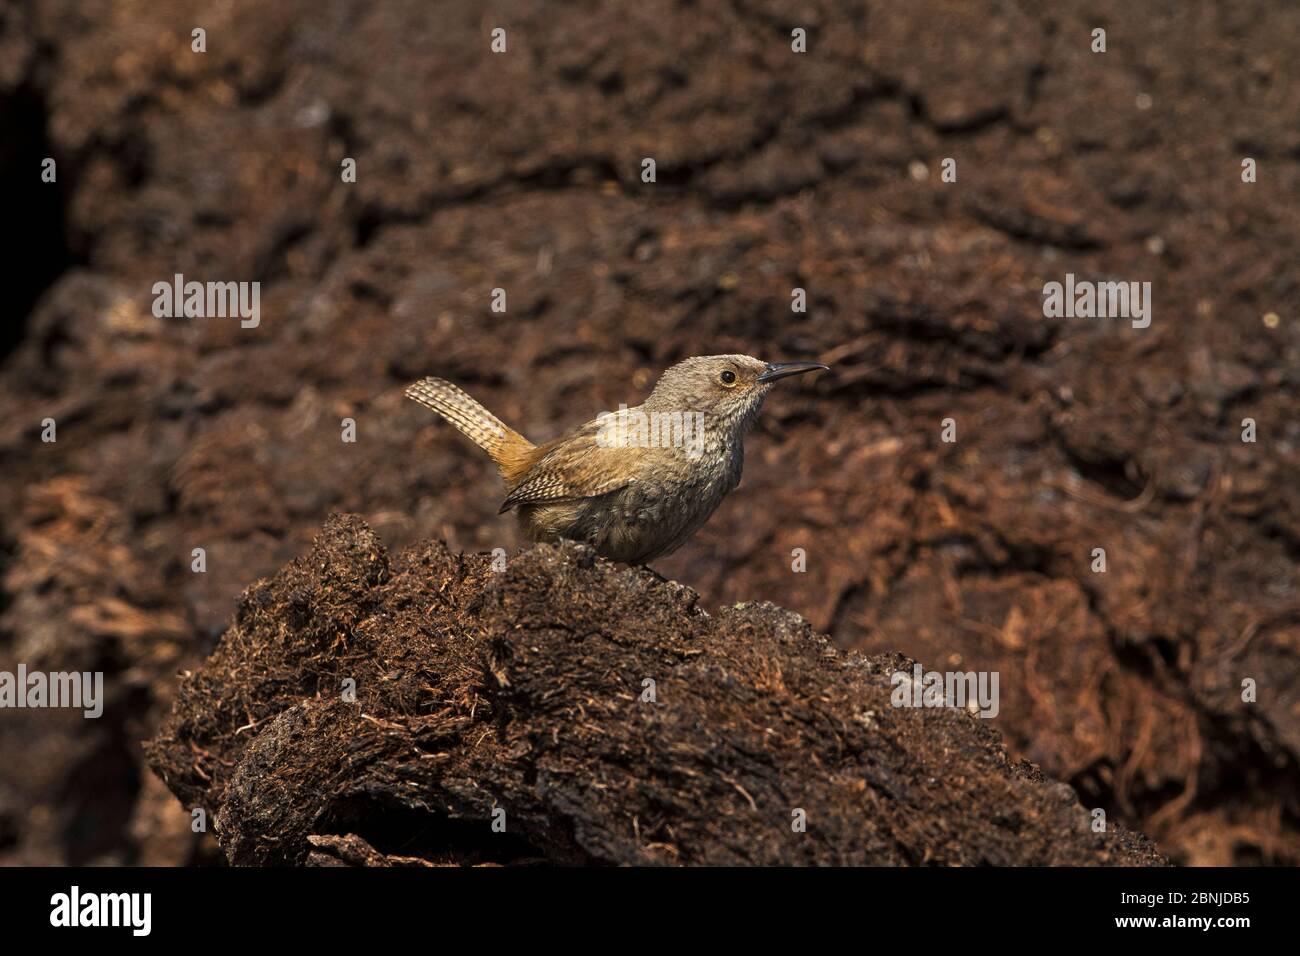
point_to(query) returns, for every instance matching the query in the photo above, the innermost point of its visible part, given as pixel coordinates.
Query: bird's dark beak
(776, 370)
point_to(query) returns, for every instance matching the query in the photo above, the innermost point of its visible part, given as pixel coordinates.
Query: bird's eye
(728, 377)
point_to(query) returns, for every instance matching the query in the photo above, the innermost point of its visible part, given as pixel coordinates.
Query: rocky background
(775, 171)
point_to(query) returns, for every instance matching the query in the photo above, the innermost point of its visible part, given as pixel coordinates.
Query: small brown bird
(636, 483)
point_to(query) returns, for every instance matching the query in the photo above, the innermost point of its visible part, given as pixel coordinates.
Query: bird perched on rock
(636, 483)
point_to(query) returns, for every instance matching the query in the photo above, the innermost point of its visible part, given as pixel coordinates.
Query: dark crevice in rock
(35, 210)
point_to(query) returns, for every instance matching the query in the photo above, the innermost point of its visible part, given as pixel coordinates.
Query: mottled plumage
(634, 485)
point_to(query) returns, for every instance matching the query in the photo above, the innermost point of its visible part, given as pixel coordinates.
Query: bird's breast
(669, 496)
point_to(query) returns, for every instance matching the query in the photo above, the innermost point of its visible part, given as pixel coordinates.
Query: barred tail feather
(509, 449)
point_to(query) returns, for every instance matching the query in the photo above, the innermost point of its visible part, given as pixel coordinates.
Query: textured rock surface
(819, 171)
(524, 691)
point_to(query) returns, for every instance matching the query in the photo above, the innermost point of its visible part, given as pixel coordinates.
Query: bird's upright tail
(510, 450)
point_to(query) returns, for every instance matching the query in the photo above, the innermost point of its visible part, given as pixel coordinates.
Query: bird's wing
(576, 466)
(541, 487)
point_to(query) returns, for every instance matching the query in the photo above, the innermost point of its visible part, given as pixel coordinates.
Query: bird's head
(728, 389)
